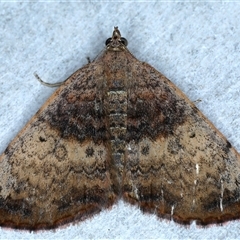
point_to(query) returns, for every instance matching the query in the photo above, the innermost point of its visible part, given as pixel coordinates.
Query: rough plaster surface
(196, 45)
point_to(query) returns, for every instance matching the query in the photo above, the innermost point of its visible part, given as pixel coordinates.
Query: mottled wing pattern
(118, 128)
(57, 169)
(178, 165)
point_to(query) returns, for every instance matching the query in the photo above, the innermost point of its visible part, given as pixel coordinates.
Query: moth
(117, 128)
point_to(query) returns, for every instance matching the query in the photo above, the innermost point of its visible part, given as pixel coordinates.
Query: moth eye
(108, 41)
(124, 41)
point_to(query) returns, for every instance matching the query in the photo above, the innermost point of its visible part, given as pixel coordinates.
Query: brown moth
(117, 128)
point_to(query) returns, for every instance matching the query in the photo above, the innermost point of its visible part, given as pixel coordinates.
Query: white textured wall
(196, 45)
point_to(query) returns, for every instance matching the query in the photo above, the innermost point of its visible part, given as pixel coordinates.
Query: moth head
(116, 42)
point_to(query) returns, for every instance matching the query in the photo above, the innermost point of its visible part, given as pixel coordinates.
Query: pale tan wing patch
(57, 169)
(180, 167)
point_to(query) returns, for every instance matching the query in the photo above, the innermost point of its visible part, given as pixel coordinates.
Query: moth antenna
(52, 85)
